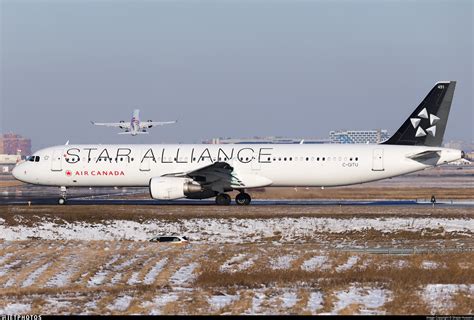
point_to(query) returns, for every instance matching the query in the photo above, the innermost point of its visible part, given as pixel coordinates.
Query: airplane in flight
(135, 126)
(199, 171)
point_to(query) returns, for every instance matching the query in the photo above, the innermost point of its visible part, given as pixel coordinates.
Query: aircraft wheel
(62, 201)
(223, 199)
(243, 199)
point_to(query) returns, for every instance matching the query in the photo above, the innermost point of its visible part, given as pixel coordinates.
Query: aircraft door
(56, 160)
(377, 160)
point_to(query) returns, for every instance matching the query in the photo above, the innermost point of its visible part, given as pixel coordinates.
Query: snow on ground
(316, 262)
(259, 297)
(9, 283)
(5, 257)
(98, 278)
(125, 264)
(55, 306)
(184, 275)
(120, 304)
(289, 299)
(369, 299)
(6, 268)
(34, 275)
(60, 279)
(400, 264)
(155, 271)
(218, 302)
(349, 264)
(439, 296)
(116, 279)
(283, 262)
(134, 279)
(15, 308)
(230, 264)
(159, 302)
(226, 230)
(430, 265)
(315, 301)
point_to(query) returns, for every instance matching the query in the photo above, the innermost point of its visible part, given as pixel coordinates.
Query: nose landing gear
(62, 196)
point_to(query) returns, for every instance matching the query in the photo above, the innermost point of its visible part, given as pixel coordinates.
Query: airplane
(199, 171)
(135, 126)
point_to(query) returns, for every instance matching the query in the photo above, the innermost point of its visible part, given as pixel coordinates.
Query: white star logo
(420, 132)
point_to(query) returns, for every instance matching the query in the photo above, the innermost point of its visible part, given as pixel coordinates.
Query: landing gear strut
(62, 196)
(243, 199)
(223, 199)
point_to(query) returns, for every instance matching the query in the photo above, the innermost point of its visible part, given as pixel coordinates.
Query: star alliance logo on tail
(420, 132)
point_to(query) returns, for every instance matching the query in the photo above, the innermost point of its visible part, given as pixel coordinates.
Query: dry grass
(14, 215)
(366, 193)
(403, 281)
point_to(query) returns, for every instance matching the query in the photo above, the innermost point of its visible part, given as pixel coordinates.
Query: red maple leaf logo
(68, 173)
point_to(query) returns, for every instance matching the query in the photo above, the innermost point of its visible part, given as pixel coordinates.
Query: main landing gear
(62, 196)
(242, 199)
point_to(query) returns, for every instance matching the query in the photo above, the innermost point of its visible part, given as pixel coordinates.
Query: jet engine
(170, 188)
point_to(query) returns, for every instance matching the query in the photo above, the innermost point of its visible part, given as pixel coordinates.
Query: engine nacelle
(170, 188)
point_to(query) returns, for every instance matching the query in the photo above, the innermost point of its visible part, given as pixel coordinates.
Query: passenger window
(357, 159)
(317, 158)
(307, 159)
(37, 159)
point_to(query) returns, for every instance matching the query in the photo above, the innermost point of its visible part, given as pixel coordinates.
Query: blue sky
(229, 68)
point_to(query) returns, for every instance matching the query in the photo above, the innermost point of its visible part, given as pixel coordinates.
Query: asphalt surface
(103, 199)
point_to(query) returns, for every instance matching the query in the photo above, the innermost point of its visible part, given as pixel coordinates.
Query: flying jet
(199, 171)
(135, 126)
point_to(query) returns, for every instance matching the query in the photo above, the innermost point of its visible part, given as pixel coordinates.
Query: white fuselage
(135, 122)
(255, 165)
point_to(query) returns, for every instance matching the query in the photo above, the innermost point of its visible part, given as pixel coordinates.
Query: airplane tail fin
(426, 125)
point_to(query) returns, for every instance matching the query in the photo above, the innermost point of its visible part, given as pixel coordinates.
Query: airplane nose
(18, 173)
(15, 172)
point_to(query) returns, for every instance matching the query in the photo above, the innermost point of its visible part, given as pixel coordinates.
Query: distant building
(11, 143)
(9, 159)
(359, 136)
(264, 140)
(8, 162)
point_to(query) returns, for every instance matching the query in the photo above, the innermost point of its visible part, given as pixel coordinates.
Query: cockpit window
(33, 158)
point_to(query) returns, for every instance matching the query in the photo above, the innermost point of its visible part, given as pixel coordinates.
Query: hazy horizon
(229, 69)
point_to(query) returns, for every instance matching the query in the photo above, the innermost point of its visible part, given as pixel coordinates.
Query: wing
(150, 124)
(221, 176)
(122, 125)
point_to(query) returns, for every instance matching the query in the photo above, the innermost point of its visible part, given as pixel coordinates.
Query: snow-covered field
(115, 277)
(230, 230)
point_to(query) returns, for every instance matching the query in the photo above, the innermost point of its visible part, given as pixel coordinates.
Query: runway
(105, 199)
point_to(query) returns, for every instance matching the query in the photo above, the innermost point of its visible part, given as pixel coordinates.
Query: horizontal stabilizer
(425, 155)
(133, 133)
